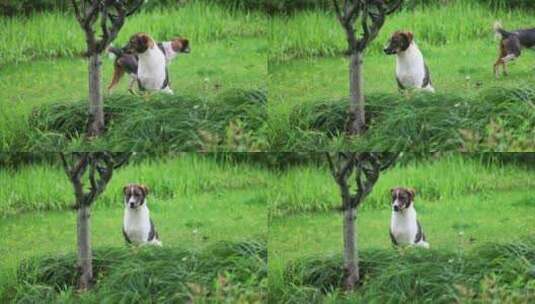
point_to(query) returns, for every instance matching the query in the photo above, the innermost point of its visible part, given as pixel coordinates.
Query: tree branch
(337, 11)
(103, 24)
(331, 165)
(77, 11)
(87, 16)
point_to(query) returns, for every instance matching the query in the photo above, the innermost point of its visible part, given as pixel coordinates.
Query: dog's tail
(114, 52)
(500, 32)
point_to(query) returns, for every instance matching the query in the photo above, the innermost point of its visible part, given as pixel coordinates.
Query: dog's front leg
(505, 60)
(131, 86)
(168, 90)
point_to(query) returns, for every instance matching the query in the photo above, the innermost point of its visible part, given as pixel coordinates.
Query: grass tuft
(305, 189)
(224, 271)
(498, 119)
(316, 33)
(492, 272)
(56, 34)
(163, 123)
(46, 188)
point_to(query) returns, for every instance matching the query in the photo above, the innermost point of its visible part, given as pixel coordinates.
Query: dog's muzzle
(132, 205)
(389, 51)
(396, 209)
(128, 50)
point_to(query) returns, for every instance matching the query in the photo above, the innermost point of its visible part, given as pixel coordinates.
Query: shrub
(163, 123)
(499, 272)
(498, 119)
(232, 272)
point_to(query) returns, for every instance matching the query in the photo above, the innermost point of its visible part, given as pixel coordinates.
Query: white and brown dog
(411, 70)
(138, 228)
(146, 62)
(404, 226)
(511, 45)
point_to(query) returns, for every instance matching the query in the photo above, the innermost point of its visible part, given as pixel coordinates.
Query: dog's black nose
(131, 205)
(396, 208)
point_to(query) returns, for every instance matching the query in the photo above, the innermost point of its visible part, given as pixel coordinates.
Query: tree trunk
(85, 263)
(351, 265)
(96, 107)
(356, 123)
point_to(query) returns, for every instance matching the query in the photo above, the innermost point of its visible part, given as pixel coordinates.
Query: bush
(498, 119)
(231, 272)
(25, 7)
(493, 272)
(163, 123)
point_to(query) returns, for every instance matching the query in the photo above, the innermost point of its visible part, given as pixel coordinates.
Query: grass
(316, 33)
(55, 34)
(220, 273)
(306, 69)
(166, 123)
(478, 218)
(306, 189)
(179, 176)
(497, 119)
(501, 273)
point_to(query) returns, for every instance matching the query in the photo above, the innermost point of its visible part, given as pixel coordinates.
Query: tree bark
(351, 265)
(356, 123)
(96, 107)
(85, 263)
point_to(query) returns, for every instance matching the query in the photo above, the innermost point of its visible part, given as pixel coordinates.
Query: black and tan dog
(511, 45)
(153, 75)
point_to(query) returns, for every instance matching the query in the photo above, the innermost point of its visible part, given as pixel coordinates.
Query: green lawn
(459, 224)
(209, 68)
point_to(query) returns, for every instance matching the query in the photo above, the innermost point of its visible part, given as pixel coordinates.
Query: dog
(404, 226)
(123, 63)
(146, 62)
(511, 45)
(138, 228)
(411, 70)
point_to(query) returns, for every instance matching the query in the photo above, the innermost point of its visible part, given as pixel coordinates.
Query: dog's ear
(145, 189)
(147, 41)
(125, 188)
(185, 44)
(410, 36)
(180, 44)
(412, 192)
